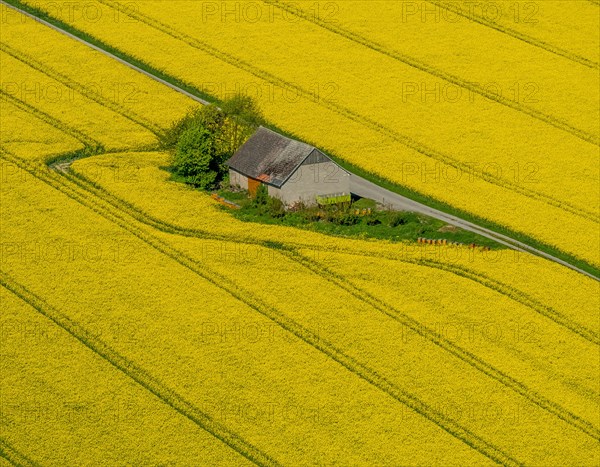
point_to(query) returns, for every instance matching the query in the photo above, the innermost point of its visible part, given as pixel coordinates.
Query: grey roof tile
(269, 156)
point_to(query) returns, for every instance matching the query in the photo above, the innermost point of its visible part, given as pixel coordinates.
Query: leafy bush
(198, 158)
(347, 218)
(276, 207)
(266, 204)
(397, 219)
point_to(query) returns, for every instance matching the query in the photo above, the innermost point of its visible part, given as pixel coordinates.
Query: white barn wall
(311, 180)
(237, 180)
(308, 181)
(274, 192)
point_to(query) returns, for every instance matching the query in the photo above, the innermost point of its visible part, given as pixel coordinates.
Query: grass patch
(360, 219)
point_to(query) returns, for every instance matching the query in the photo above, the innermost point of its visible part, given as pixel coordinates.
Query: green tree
(244, 117)
(208, 116)
(199, 159)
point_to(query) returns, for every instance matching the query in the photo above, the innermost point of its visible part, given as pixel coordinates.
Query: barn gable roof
(270, 157)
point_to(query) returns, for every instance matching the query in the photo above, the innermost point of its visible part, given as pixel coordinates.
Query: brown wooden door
(253, 185)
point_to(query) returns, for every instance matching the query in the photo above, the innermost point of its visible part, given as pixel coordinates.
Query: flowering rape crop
(74, 393)
(146, 325)
(29, 136)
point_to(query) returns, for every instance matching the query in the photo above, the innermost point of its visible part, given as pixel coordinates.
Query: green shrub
(203, 140)
(261, 198)
(276, 207)
(397, 219)
(198, 158)
(347, 218)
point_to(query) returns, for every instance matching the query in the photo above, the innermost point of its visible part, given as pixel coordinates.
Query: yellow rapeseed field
(536, 174)
(29, 136)
(95, 121)
(397, 30)
(200, 339)
(510, 341)
(73, 394)
(143, 324)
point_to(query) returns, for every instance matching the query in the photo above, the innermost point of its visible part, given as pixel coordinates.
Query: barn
(292, 171)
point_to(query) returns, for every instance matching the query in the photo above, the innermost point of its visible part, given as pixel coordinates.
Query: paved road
(366, 189)
(358, 185)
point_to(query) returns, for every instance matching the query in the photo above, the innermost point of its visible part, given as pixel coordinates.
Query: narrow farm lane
(366, 189)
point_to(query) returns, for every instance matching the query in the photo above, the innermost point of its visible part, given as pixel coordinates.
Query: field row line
(12, 455)
(358, 118)
(438, 73)
(369, 375)
(81, 89)
(517, 35)
(91, 143)
(449, 346)
(381, 306)
(498, 286)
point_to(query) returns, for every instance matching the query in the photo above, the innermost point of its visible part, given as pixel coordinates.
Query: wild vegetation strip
(124, 113)
(439, 73)
(236, 61)
(173, 229)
